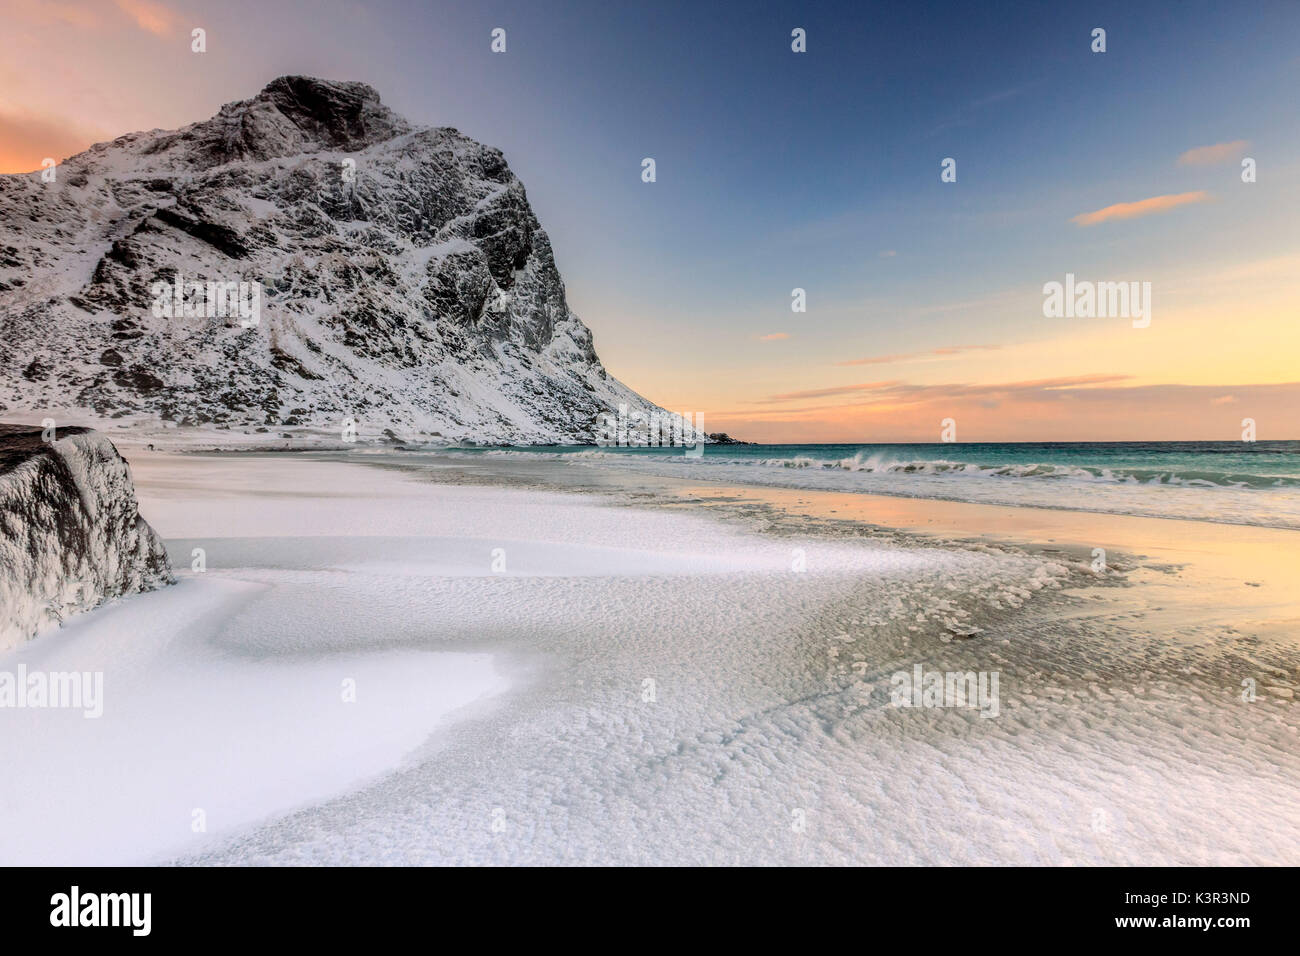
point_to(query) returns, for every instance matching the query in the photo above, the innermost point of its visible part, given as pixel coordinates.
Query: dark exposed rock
(222, 238)
(71, 536)
(722, 438)
(137, 380)
(36, 371)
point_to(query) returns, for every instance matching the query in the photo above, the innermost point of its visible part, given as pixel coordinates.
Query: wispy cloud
(1143, 207)
(966, 117)
(914, 356)
(1090, 410)
(152, 16)
(1214, 155)
(824, 392)
(149, 15)
(896, 390)
(52, 11)
(999, 96)
(775, 336)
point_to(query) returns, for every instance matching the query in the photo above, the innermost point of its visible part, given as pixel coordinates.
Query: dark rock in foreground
(71, 536)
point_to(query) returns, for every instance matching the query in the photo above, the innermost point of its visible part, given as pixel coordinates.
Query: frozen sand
(770, 701)
(218, 706)
(190, 725)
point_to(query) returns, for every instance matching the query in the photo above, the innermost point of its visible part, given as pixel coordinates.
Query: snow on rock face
(70, 534)
(402, 280)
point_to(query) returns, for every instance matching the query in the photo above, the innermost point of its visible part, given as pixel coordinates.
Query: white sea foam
(1161, 494)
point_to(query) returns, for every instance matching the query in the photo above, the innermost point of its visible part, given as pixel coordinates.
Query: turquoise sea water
(1271, 464)
(1255, 483)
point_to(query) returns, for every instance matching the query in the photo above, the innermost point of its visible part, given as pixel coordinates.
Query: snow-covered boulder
(71, 536)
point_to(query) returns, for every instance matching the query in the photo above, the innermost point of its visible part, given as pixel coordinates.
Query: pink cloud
(775, 336)
(895, 390)
(835, 390)
(1214, 155)
(910, 356)
(148, 15)
(1143, 207)
(1080, 408)
(50, 11)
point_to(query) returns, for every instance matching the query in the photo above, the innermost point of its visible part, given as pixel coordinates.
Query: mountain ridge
(400, 281)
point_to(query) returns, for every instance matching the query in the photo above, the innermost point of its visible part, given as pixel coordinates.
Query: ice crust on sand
(769, 689)
(195, 735)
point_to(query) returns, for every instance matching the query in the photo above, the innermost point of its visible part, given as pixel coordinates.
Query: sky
(778, 170)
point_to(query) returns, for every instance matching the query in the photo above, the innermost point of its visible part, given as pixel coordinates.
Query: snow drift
(71, 536)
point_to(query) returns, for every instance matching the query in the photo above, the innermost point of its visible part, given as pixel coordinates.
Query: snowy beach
(407, 658)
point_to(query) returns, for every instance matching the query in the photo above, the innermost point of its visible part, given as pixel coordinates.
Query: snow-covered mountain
(71, 536)
(395, 277)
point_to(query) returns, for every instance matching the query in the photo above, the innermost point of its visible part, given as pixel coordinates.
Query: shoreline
(1227, 504)
(1202, 574)
(1209, 573)
(670, 692)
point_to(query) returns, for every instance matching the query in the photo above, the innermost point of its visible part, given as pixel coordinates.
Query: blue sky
(818, 170)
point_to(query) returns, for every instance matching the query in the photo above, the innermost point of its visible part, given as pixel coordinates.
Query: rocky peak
(339, 115)
(402, 278)
(291, 115)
